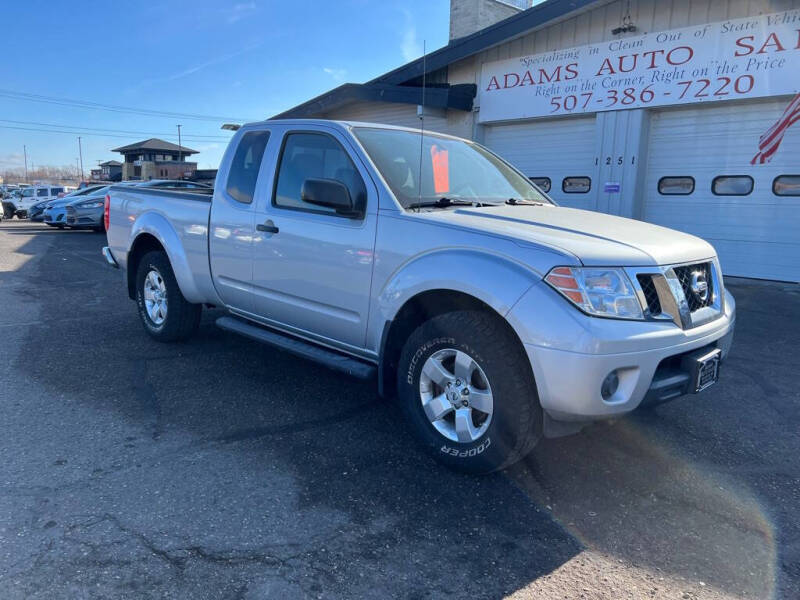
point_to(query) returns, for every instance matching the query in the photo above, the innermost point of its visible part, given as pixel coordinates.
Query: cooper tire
(181, 318)
(515, 424)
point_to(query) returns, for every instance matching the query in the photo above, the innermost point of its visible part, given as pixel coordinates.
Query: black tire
(183, 317)
(516, 422)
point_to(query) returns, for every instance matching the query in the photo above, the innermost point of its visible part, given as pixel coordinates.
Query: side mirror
(329, 193)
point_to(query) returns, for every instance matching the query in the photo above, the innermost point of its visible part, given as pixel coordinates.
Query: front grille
(650, 294)
(685, 275)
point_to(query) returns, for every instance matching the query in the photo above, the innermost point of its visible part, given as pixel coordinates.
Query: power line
(102, 130)
(111, 135)
(112, 107)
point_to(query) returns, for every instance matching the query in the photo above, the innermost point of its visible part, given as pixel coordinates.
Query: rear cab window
(246, 163)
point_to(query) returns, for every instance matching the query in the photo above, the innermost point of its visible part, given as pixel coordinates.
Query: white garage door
(756, 234)
(560, 150)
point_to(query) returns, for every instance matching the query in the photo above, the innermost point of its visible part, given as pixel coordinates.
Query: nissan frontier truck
(492, 315)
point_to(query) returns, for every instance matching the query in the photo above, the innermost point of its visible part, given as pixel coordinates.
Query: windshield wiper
(517, 201)
(442, 202)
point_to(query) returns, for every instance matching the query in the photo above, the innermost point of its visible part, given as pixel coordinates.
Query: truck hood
(594, 238)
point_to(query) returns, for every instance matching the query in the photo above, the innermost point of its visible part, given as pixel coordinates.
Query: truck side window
(314, 156)
(246, 162)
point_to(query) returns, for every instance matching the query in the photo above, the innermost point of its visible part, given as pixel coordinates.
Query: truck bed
(178, 219)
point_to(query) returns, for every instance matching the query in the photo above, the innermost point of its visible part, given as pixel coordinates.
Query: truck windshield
(455, 171)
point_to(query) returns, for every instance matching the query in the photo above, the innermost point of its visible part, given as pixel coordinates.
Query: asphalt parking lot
(219, 468)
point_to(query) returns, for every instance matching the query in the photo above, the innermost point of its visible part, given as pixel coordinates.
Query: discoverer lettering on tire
(466, 389)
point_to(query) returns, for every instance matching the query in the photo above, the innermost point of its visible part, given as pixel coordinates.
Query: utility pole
(77, 169)
(80, 154)
(180, 148)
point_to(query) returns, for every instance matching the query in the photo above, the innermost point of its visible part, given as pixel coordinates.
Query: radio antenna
(421, 128)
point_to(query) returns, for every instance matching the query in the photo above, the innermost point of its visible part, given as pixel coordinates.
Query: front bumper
(55, 216)
(572, 358)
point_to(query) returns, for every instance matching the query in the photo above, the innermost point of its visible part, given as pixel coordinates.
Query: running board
(329, 358)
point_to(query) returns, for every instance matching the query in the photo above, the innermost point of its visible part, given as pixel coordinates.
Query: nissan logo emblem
(699, 286)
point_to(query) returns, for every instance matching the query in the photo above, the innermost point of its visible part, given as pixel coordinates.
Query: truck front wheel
(165, 313)
(466, 388)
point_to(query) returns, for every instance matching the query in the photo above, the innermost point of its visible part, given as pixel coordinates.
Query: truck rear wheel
(467, 391)
(165, 313)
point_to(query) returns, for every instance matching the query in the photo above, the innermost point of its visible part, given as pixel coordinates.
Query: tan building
(683, 114)
(156, 159)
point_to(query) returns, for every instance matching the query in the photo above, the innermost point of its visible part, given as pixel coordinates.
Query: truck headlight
(602, 292)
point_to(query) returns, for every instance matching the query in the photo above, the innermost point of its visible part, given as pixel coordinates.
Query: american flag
(769, 143)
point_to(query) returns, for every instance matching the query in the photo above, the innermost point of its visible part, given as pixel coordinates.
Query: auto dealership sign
(743, 58)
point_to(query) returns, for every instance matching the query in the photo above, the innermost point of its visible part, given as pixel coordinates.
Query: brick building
(156, 159)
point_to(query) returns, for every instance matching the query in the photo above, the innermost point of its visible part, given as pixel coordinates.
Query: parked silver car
(55, 211)
(87, 210)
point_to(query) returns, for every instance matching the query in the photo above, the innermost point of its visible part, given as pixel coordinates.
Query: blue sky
(250, 58)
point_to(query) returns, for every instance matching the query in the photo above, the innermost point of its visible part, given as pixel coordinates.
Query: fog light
(610, 385)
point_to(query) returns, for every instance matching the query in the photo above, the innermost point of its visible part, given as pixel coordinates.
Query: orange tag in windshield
(441, 170)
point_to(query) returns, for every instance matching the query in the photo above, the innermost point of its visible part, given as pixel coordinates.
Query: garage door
(559, 152)
(701, 158)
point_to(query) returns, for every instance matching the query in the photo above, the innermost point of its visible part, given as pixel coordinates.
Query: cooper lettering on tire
(466, 388)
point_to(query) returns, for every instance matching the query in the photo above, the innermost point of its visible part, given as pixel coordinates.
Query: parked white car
(19, 205)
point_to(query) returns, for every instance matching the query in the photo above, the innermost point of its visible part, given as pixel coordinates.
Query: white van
(19, 205)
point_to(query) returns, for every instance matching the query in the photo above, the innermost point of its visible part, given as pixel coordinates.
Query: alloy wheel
(456, 396)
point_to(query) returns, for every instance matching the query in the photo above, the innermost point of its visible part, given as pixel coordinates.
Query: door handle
(268, 227)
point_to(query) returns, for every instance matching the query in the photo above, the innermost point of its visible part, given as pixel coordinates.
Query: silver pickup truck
(493, 316)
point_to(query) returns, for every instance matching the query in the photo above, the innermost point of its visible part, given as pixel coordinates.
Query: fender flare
(495, 280)
(161, 229)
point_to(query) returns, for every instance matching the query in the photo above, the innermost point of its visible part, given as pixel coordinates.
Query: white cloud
(410, 46)
(336, 74)
(239, 11)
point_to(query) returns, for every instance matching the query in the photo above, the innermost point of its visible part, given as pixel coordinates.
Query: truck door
(312, 267)
(230, 236)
